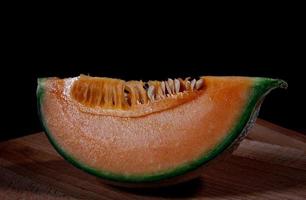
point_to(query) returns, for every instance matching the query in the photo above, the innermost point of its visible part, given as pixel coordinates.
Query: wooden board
(269, 164)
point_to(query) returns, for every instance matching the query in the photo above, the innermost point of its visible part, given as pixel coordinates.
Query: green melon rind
(261, 87)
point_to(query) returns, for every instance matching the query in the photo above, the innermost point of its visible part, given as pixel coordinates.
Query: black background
(267, 42)
(283, 107)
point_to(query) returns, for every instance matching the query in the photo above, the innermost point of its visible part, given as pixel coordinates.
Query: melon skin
(260, 88)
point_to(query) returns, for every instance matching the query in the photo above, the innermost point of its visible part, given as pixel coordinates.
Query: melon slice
(158, 132)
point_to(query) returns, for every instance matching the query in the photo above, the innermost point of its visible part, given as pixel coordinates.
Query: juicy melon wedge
(129, 136)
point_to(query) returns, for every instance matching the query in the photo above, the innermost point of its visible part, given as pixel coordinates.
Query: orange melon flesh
(151, 144)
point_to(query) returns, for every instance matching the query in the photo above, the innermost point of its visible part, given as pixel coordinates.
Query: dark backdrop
(168, 41)
(18, 100)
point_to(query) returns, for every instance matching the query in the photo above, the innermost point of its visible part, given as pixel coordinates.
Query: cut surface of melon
(154, 140)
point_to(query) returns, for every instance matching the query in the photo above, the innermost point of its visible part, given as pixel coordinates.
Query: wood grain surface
(269, 164)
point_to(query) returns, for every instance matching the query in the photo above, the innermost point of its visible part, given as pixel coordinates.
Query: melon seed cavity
(120, 94)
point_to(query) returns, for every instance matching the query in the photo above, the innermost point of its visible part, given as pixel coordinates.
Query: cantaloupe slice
(136, 133)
